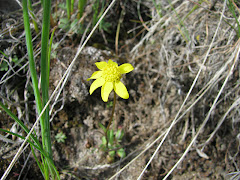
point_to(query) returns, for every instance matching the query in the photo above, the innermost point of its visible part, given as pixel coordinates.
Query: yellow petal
(101, 65)
(97, 83)
(95, 75)
(121, 90)
(111, 62)
(125, 68)
(105, 91)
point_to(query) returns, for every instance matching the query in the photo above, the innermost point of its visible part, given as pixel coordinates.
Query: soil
(165, 66)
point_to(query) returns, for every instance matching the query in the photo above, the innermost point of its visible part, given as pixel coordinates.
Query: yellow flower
(109, 78)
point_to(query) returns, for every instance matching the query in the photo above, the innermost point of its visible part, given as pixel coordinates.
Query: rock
(77, 87)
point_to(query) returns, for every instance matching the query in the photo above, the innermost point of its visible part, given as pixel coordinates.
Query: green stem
(49, 54)
(44, 75)
(68, 3)
(72, 5)
(31, 57)
(111, 118)
(44, 120)
(81, 4)
(33, 16)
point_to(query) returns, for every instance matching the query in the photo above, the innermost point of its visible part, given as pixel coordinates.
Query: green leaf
(119, 134)
(62, 6)
(4, 66)
(109, 104)
(15, 59)
(112, 153)
(60, 137)
(64, 24)
(121, 153)
(104, 141)
(102, 127)
(111, 137)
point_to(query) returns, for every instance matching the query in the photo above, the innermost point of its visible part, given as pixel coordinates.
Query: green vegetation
(182, 111)
(112, 144)
(60, 137)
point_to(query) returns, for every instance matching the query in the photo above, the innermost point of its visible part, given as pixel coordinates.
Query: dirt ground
(184, 96)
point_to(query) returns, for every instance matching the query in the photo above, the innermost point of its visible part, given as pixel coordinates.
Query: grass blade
(44, 75)
(20, 123)
(31, 56)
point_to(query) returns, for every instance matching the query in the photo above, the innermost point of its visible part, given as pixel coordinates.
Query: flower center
(111, 73)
